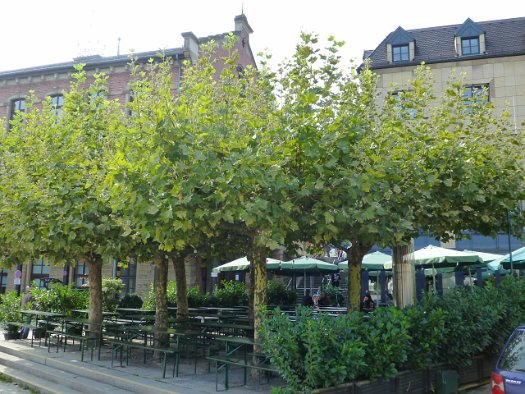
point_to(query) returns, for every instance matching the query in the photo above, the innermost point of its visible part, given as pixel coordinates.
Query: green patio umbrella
(306, 265)
(518, 259)
(436, 257)
(372, 261)
(242, 264)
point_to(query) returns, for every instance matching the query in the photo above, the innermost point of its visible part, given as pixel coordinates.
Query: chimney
(191, 46)
(241, 23)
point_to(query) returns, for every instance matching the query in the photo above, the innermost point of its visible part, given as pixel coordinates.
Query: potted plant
(10, 312)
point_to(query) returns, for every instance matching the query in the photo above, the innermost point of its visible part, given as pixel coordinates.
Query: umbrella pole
(434, 278)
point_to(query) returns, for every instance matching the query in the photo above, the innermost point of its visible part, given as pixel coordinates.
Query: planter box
(417, 382)
(412, 382)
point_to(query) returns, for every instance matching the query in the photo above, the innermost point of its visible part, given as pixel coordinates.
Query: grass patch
(5, 378)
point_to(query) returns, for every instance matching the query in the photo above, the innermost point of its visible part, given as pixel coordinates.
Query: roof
(505, 37)
(91, 62)
(96, 61)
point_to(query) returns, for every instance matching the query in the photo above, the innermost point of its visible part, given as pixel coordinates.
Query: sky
(36, 32)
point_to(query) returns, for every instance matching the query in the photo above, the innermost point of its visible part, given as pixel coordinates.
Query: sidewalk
(63, 372)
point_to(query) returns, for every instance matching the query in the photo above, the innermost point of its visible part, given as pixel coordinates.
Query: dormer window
(470, 46)
(469, 39)
(400, 53)
(400, 46)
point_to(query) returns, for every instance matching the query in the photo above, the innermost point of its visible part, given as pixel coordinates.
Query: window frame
(399, 52)
(81, 273)
(58, 105)
(17, 106)
(128, 276)
(41, 273)
(4, 279)
(466, 43)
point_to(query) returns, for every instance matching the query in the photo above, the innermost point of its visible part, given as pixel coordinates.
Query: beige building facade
(490, 55)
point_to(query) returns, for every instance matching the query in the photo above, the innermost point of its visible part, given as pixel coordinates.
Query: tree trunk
(182, 288)
(259, 282)
(95, 292)
(161, 299)
(403, 276)
(355, 259)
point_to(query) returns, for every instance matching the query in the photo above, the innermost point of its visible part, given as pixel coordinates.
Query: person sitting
(368, 304)
(307, 299)
(324, 300)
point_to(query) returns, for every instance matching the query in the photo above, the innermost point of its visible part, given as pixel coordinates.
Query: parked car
(508, 376)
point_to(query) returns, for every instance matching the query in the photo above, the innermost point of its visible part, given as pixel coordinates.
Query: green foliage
(385, 334)
(466, 322)
(111, 289)
(230, 294)
(149, 300)
(59, 298)
(279, 295)
(196, 298)
(10, 308)
(130, 301)
(426, 328)
(312, 353)
(334, 294)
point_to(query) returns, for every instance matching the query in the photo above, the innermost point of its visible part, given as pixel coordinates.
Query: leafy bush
(196, 299)
(131, 301)
(313, 353)
(279, 295)
(9, 309)
(230, 294)
(111, 289)
(387, 342)
(149, 300)
(334, 294)
(59, 298)
(470, 314)
(426, 328)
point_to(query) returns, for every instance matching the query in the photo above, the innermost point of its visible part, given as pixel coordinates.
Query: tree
(377, 169)
(54, 196)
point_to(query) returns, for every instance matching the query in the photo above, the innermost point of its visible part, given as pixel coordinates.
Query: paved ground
(11, 388)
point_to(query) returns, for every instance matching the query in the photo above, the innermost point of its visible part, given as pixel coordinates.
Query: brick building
(52, 81)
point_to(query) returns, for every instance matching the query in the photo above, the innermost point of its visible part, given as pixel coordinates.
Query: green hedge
(322, 351)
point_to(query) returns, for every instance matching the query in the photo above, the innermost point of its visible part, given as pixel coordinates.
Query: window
(81, 274)
(400, 53)
(39, 272)
(476, 94)
(470, 46)
(18, 107)
(131, 100)
(3, 280)
(128, 275)
(57, 102)
(404, 105)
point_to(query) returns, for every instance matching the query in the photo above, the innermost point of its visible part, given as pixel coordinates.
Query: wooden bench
(261, 364)
(85, 341)
(77, 330)
(237, 351)
(121, 345)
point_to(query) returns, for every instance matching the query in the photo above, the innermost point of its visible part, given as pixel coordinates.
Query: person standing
(26, 301)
